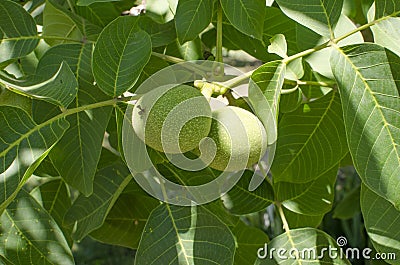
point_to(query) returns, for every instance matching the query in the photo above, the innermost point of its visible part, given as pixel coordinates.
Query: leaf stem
(168, 58)
(282, 215)
(44, 37)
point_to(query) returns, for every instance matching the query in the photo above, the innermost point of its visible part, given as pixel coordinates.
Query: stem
(71, 6)
(219, 40)
(168, 58)
(43, 37)
(306, 52)
(283, 217)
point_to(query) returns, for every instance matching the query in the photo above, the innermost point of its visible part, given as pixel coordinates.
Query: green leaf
(60, 22)
(78, 152)
(249, 240)
(278, 45)
(367, 77)
(305, 150)
(313, 198)
(126, 220)
(18, 32)
(59, 89)
(23, 145)
(90, 212)
(29, 235)
(264, 92)
(120, 55)
(185, 235)
(239, 200)
(386, 8)
(246, 15)
(348, 206)
(189, 51)
(296, 220)
(286, 26)
(290, 102)
(100, 13)
(382, 222)
(191, 18)
(89, 2)
(160, 34)
(308, 240)
(319, 16)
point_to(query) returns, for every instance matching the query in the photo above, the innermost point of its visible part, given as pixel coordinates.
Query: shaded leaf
(90, 212)
(89, 2)
(348, 206)
(305, 150)
(185, 235)
(22, 147)
(249, 240)
(59, 89)
(367, 76)
(313, 198)
(125, 222)
(246, 15)
(191, 18)
(29, 235)
(386, 8)
(239, 200)
(296, 220)
(320, 16)
(120, 55)
(160, 34)
(18, 32)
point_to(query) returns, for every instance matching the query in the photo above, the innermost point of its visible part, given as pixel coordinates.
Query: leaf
(290, 102)
(55, 199)
(239, 200)
(264, 92)
(313, 198)
(60, 22)
(120, 55)
(185, 235)
(367, 76)
(296, 220)
(348, 206)
(249, 240)
(386, 8)
(382, 221)
(189, 51)
(89, 2)
(386, 31)
(306, 241)
(246, 15)
(320, 16)
(154, 65)
(305, 150)
(90, 212)
(160, 34)
(18, 32)
(78, 152)
(23, 145)
(29, 235)
(126, 220)
(286, 26)
(59, 89)
(278, 45)
(191, 18)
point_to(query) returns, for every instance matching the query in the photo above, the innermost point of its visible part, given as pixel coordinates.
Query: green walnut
(172, 120)
(240, 140)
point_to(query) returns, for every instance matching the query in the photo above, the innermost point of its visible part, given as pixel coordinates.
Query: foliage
(330, 78)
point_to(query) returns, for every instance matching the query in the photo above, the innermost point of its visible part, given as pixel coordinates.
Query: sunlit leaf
(320, 16)
(120, 55)
(185, 235)
(59, 88)
(192, 17)
(367, 76)
(23, 145)
(305, 149)
(18, 32)
(246, 15)
(29, 235)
